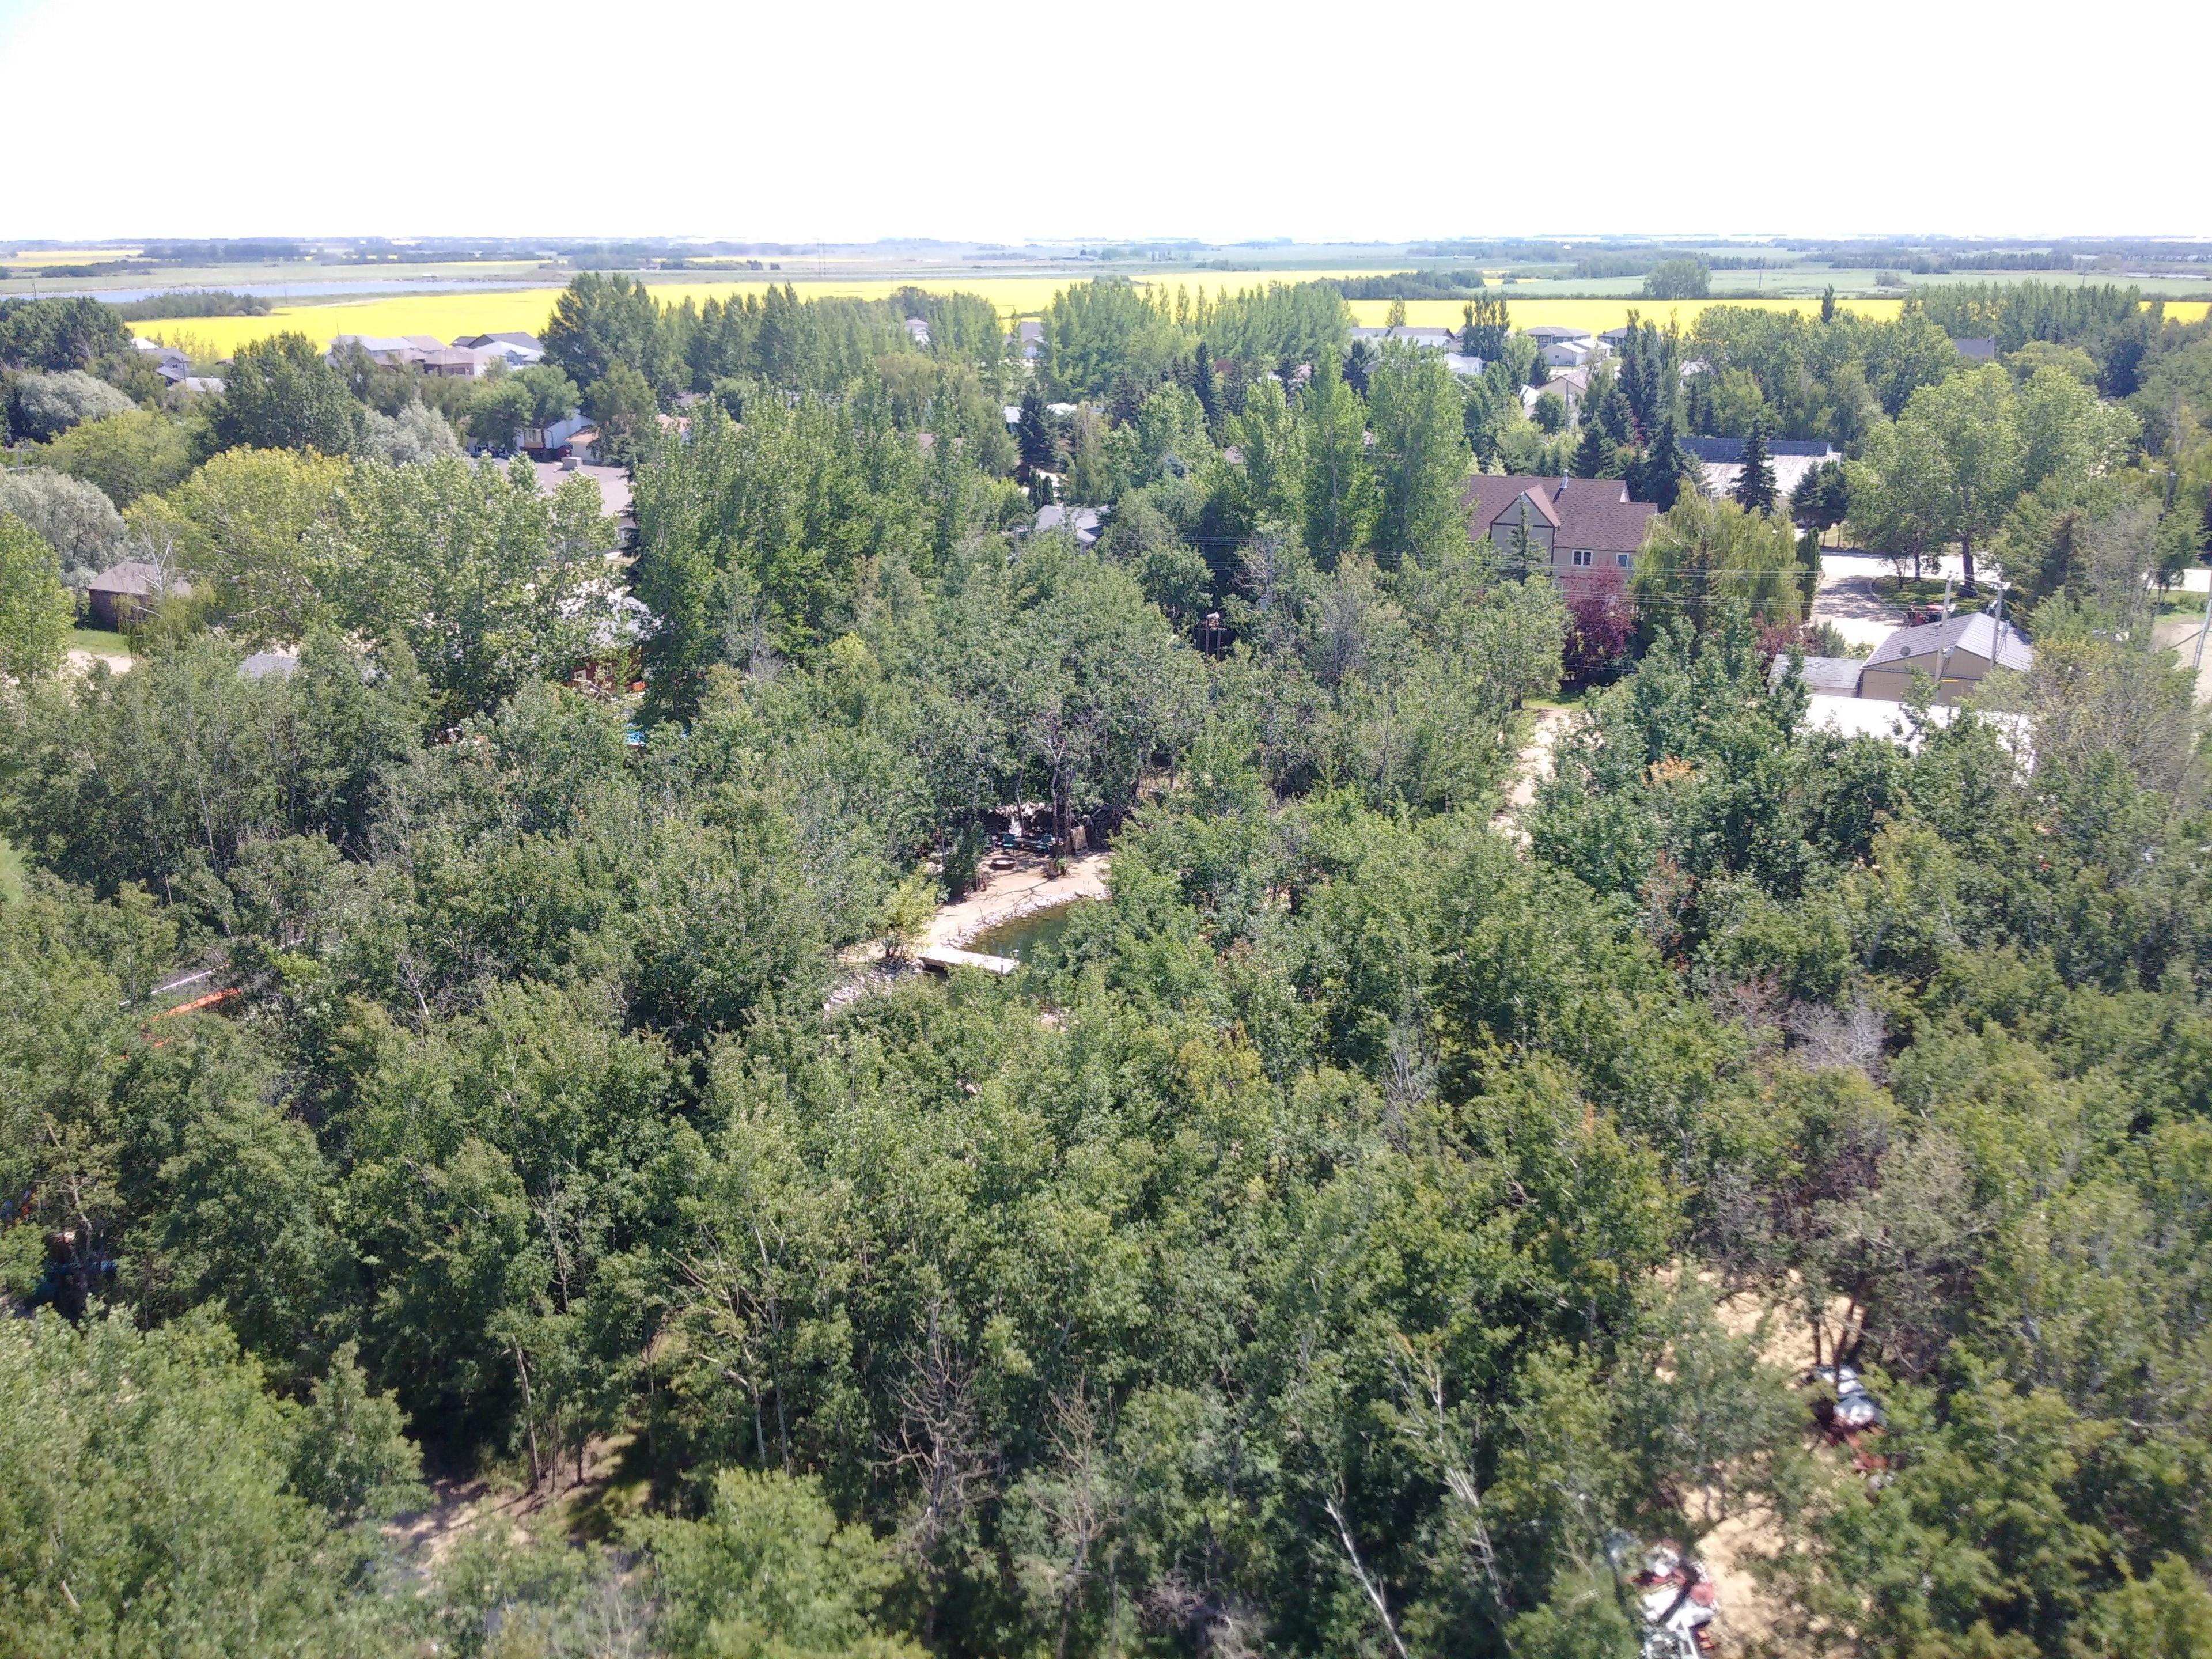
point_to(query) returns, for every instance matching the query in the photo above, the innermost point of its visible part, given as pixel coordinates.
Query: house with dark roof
(1585, 527)
(1977, 349)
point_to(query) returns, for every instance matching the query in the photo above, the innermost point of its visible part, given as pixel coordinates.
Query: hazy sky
(844, 120)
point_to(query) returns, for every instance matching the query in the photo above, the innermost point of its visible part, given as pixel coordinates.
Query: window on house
(1581, 556)
(1621, 559)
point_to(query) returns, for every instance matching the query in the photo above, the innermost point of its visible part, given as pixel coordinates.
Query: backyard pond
(1023, 936)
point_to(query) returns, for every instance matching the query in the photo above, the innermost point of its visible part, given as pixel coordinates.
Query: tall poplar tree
(1337, 492)
(1420, 454)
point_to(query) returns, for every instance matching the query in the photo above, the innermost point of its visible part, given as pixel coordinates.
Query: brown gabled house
(1583, 526)
(119, 595)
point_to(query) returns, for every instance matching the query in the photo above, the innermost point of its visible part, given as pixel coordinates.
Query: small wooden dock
(944, 959)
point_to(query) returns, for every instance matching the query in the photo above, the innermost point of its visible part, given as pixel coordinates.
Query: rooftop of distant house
(1729, 451)
(1433, 339)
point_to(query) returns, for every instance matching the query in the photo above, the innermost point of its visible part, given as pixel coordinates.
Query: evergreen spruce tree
(1618, 419)
(1593, 451)
(1357, 361)
(1754, 489)
(1202, 383)
(1828, 304)
(1521, 547)
(1034, 433)
(1665, 468)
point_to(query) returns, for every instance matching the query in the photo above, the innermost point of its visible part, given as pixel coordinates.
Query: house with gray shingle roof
(1956, 654)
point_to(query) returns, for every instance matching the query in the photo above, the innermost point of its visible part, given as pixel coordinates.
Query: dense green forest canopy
(1335, 1242)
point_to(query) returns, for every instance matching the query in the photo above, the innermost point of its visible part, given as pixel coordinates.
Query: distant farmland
(445, 315)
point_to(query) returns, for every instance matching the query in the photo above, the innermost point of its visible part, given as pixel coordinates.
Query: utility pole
(2172, 448)
(1943, 662)
(2197, 661)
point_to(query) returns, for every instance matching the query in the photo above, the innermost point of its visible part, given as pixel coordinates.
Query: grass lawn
(1569, 697)
(100, 641)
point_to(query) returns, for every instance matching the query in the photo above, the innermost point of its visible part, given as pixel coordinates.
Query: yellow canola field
(496, 311)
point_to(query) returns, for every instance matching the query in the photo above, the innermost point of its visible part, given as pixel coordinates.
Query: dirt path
(1754, 1619)
(1530, 768)
(80, 662)
(1007, 894)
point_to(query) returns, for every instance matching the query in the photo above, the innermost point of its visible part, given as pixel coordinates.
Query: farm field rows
(445, 315)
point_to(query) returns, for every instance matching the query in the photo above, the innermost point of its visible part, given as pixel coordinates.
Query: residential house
(1030, 332)
(1722, 458)
(1956, 654)
(390, 351)
(917, 330)
(171, 364)
(551, 439)
(1977, 349)
(1425, 339)
(1564, 347)
(1572, 386)
(1467, 367)
(1083, 522)
(122, 594)
(210, 384)
(454, 362)
(516, 349)
(1585, 527)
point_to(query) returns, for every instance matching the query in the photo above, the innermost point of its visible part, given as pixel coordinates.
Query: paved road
(2180, 635)
(1846, 597)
